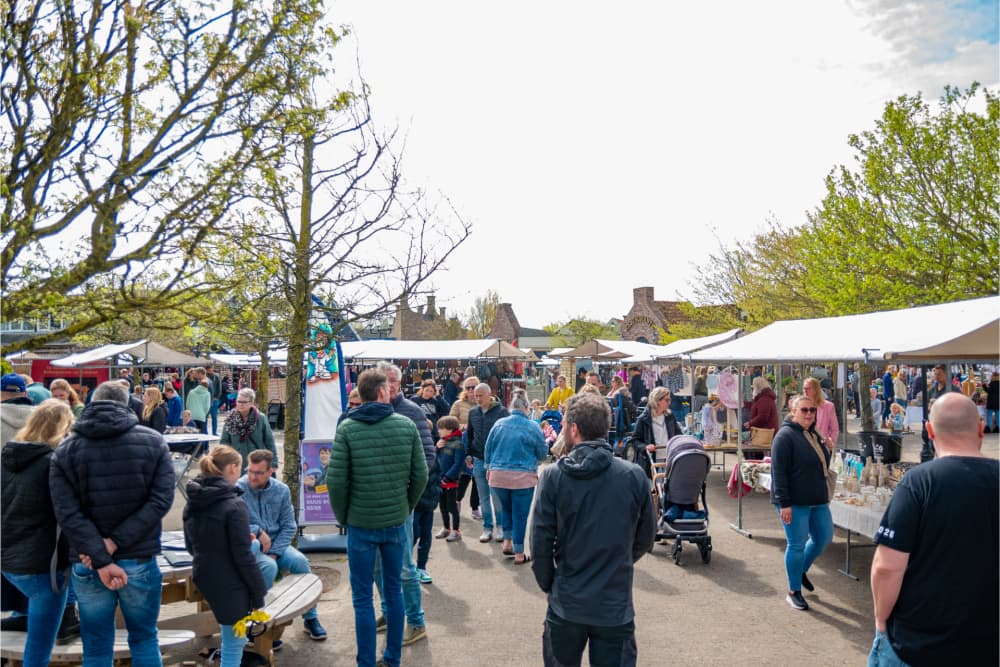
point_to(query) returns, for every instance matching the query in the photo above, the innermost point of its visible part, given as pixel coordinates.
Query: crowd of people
(397, 462)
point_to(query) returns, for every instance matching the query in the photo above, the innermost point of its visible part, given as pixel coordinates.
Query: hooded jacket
(217, 535)
(29, 523)
(112, 478)
(480, 424)
(13, 416)
(764, 409)
(270, 510)
(404, 406)
(377, 468)
(798, 477)
(597, 509)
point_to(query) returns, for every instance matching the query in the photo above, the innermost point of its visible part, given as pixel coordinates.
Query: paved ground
(483, 610)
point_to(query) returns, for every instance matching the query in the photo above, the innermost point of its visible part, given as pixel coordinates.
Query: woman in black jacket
(29, 525)
(217, 534)
(653, 429)
(799, 463)
(154, 410)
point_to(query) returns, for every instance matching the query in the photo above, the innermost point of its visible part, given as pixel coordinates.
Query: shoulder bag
(831, 476)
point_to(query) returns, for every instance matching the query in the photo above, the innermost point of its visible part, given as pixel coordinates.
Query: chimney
(420, 309)
(642, 295)
(442, 312)
(430, 305)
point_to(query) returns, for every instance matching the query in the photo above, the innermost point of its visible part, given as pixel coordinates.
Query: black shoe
(276, 645)
(69, 629)
(796, 601)
(806, 584)
(14, 624)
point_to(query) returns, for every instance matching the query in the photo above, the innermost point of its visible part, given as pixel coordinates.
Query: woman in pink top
(826, 415)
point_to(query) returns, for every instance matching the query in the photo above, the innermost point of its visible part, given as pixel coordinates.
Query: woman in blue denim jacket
(514, 448)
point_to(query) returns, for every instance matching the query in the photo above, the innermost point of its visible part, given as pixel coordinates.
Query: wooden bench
(288, 599)
(12, 647)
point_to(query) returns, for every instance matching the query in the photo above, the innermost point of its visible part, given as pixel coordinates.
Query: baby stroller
(676, 491)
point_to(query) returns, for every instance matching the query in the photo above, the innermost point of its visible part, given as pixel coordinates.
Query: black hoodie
(217, 535)
(592, 519)
(29, 523)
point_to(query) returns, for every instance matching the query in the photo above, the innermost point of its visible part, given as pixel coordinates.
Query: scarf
(236, 424)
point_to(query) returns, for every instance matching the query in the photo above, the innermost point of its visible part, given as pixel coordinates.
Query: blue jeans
(231, 650)
(45, 610)
(292, 561)
(882, 653)
(213, 414)
(488, 500)
(412, 600)
(515, 504)
(423, 527)
(389, 545)
(809, 533)
(140, 605)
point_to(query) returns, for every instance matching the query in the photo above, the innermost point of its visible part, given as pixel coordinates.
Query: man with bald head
(936, 571)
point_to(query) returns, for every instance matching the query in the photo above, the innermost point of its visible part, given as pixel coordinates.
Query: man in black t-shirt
(936, 571)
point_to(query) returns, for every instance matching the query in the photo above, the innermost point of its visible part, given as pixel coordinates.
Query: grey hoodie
(598, 509)
(13, 416)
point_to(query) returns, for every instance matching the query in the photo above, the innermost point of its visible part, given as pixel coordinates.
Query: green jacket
(377, 468)
(199, 402)
(261, 437)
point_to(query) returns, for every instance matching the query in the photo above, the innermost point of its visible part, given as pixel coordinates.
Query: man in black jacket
(112, 482)
(487, 412)
(597, 508)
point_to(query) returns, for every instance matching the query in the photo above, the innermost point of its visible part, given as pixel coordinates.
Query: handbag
(831, 475)
(761, 437)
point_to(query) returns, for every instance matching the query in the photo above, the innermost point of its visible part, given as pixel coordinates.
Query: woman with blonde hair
(217, 534)
(826, 415)
(29, 526)
(460, 410)
(154, 410)
(654, 427)
(62, 390)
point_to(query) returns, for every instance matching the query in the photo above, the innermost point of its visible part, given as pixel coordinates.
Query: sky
(599, 147)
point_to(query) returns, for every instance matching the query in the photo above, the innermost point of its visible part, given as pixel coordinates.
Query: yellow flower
(256, 616)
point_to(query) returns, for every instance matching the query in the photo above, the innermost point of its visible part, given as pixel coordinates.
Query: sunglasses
(353, 405)
(470, 387)
(807, 410)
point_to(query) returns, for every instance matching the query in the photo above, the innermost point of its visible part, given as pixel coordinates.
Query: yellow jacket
(558, 397)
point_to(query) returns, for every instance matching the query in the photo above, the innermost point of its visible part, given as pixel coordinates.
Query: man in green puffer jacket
(376, 475)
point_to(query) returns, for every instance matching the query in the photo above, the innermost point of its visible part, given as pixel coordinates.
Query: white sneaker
(455, 536)
(499, 537)
(487, 536)
(443, 533)
(477, 515)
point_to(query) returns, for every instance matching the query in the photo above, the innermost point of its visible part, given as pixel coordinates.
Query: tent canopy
(963, 330)
(689, 345)
(485, 348)
(610, 350)
(146, 353)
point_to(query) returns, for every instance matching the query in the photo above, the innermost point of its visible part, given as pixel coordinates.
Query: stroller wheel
(677, 553)
(706, 551)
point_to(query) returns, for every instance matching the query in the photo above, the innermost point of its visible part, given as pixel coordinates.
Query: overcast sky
(598, 147)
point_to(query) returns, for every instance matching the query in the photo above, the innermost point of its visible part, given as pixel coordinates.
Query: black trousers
(563, 643)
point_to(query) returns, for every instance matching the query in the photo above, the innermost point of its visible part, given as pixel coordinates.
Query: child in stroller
(677, 485)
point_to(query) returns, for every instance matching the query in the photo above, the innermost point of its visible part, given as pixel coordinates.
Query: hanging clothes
(675, 380)
(728, 389)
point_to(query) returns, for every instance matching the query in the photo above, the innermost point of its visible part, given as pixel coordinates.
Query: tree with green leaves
(916, 220)
(483, 313)
(127, 130)
(579, 330)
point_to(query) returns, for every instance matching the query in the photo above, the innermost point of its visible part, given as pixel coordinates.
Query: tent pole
(738, 526)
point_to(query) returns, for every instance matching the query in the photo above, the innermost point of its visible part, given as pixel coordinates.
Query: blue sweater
(270, 510)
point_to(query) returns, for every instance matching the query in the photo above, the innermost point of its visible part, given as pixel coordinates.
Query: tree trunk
(263, 378)
(299, 330)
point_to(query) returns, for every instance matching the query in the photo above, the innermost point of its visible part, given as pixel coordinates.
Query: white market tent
(145, 353)
(610, 350)
(688, 345)
(276, 357)
(963, 330)
(485, 348)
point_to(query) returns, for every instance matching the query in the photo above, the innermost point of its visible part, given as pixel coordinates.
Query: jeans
(231, 649)
(488, 501)
(202, 426)
(45, 610)
(423, 527)
(882, 653)
(412, 600)
(809, 534)
(364, 548)
(140, 606)
(515, 504)
(292, 561)
(213, 414)
(563, 643)
(450, 517)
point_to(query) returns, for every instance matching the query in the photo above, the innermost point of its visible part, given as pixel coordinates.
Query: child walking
(217, 534)
(451, 460)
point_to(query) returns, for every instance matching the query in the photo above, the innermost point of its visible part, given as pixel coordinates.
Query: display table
(185, 448)
(731, 449)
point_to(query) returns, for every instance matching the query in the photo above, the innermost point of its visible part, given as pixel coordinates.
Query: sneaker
(806, 584)
(424, 576)
(69, 629)
(443, 533)
(14, 624)
(487, 536)
(455, 536)
(477, 515)
(314, 629)
(499, 537)
(412, 635)
(380, 624)
(276, 645)
(796, 601)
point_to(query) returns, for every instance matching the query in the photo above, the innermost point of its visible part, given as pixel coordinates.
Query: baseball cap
(12, 382)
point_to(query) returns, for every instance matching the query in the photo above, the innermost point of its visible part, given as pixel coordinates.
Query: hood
(105, 419)
(17, 456)
(15, 415)
(587, 459)
(766, 391)
(204, 491)
(371, 413)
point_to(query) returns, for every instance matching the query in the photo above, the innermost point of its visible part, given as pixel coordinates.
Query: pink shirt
(826, 422)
